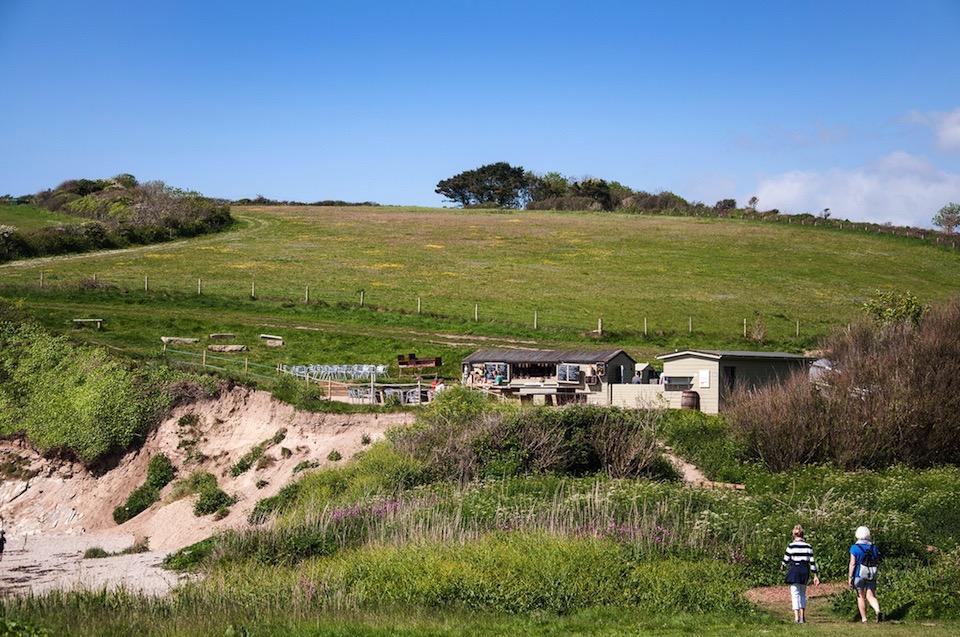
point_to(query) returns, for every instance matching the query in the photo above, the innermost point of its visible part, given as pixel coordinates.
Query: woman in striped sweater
(799, 562)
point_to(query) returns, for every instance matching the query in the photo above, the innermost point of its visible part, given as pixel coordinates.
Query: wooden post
(644, 325)
(418, 305)
(798, 327)
(204, 359)
(198, 287)
(744, 328)
(361, 298)
(306, 294)
(246, 364)
(373, 395)
(164, 347)
(690, 325)
(253, 289)
(535, 321)
(476, 311)
(94, 277)
(600, 326)
(146, 283)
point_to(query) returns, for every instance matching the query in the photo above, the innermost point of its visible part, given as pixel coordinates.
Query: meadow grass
(571, 268)
(27, 218)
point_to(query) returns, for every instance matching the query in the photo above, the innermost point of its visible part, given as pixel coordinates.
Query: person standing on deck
(800, 563)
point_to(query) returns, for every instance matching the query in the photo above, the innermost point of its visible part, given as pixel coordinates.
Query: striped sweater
(800, 551)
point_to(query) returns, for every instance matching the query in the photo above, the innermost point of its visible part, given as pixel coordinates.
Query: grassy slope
(571, 267)
(27, 218)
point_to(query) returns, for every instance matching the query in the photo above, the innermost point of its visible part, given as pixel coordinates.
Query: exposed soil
(53, 510)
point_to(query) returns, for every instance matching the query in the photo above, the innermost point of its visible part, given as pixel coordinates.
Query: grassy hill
(569, 268)
(27, 218)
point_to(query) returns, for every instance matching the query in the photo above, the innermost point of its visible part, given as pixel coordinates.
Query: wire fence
(777, 325)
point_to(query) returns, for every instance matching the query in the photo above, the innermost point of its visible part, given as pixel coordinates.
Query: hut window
(568, 373)
(492, 370)
(677, 383)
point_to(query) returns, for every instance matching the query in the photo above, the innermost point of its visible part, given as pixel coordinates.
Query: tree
(948, 217)
(548, 186)
(725, 204)
(752, 203)
(894, 307)
(596, 189)
(498, 185)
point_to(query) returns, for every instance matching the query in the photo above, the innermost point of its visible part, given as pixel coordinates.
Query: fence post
(306, 294)
(798, 327)
(146, 283)
(198, 286)
(476, 311)
(535, 317)
(644, 325)
(361, 298)
(600, 326)
(204, 359)
(418, 305)
(744, 328)
(253, 289)
(94, 277)
(246, 364)
(689, 325)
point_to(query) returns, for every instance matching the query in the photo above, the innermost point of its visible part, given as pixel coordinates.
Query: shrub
(304, 465)
(94, 552)
(365, 439)
(334, 456)
(246, 461)
(190, 557)
(137, 502)
(221, 513)
(266, 507)
(211, 500)
(261, 483)
(468, 437)
(160, 471)
(891, 396)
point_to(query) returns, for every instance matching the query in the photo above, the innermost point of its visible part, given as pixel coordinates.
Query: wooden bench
(82, 322)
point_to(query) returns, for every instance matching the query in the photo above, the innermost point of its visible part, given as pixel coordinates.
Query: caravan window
(568, 373)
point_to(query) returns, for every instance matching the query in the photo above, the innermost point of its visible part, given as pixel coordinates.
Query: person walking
(800, 563)
(3, 542)
(864, 563)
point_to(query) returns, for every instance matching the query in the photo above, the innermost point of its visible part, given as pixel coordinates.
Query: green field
(569, 268)
(28, 218)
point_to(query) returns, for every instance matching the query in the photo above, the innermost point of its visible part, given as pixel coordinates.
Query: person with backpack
(864, 563)
(799, 562)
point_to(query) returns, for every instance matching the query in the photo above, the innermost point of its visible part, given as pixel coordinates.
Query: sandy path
(37, 564)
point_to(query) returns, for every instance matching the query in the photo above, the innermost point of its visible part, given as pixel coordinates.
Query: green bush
(190, 557)
(246, 461)
(137, 502)
(160, 471)
(211, 500)
(334, 456)
(95, 552)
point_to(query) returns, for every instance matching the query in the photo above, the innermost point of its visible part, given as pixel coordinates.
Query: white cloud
(900, 188)
(946, 126)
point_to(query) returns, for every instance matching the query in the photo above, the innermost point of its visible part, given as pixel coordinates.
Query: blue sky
(849, 105)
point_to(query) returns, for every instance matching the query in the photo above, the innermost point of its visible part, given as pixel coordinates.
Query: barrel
(690, 400)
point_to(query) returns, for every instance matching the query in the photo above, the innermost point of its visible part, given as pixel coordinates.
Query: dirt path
(692, 475)
(776, 601)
